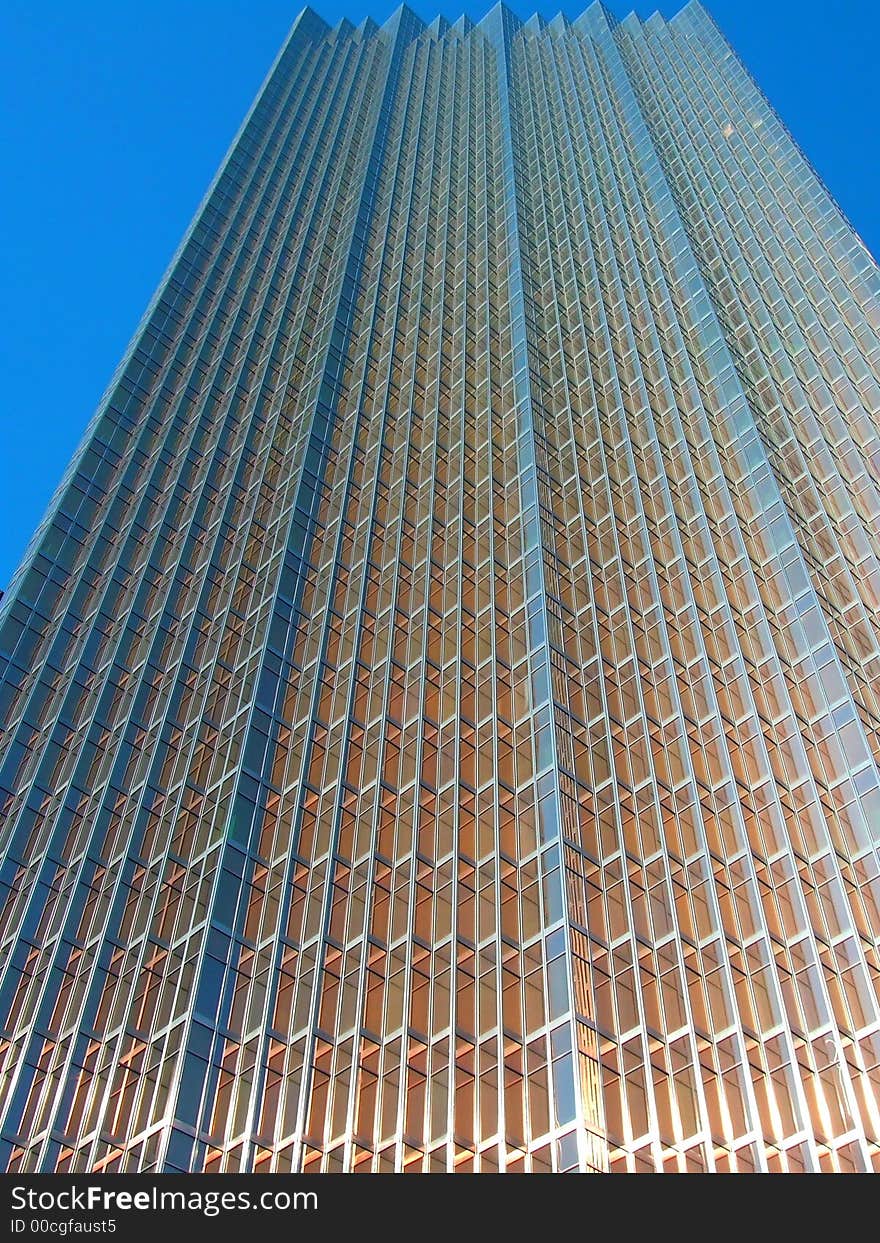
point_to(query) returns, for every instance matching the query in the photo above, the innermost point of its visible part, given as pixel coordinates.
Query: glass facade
(441, 707)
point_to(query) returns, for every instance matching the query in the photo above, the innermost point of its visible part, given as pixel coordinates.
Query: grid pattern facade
(441, 707)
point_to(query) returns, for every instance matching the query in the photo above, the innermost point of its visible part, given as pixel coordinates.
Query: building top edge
(440, 23)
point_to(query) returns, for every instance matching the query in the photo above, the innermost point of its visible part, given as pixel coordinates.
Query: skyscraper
(441, 706)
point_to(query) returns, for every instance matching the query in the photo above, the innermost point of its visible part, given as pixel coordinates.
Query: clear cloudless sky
(116, 116)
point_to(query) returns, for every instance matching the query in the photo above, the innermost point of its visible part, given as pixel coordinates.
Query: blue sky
(117, 115)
